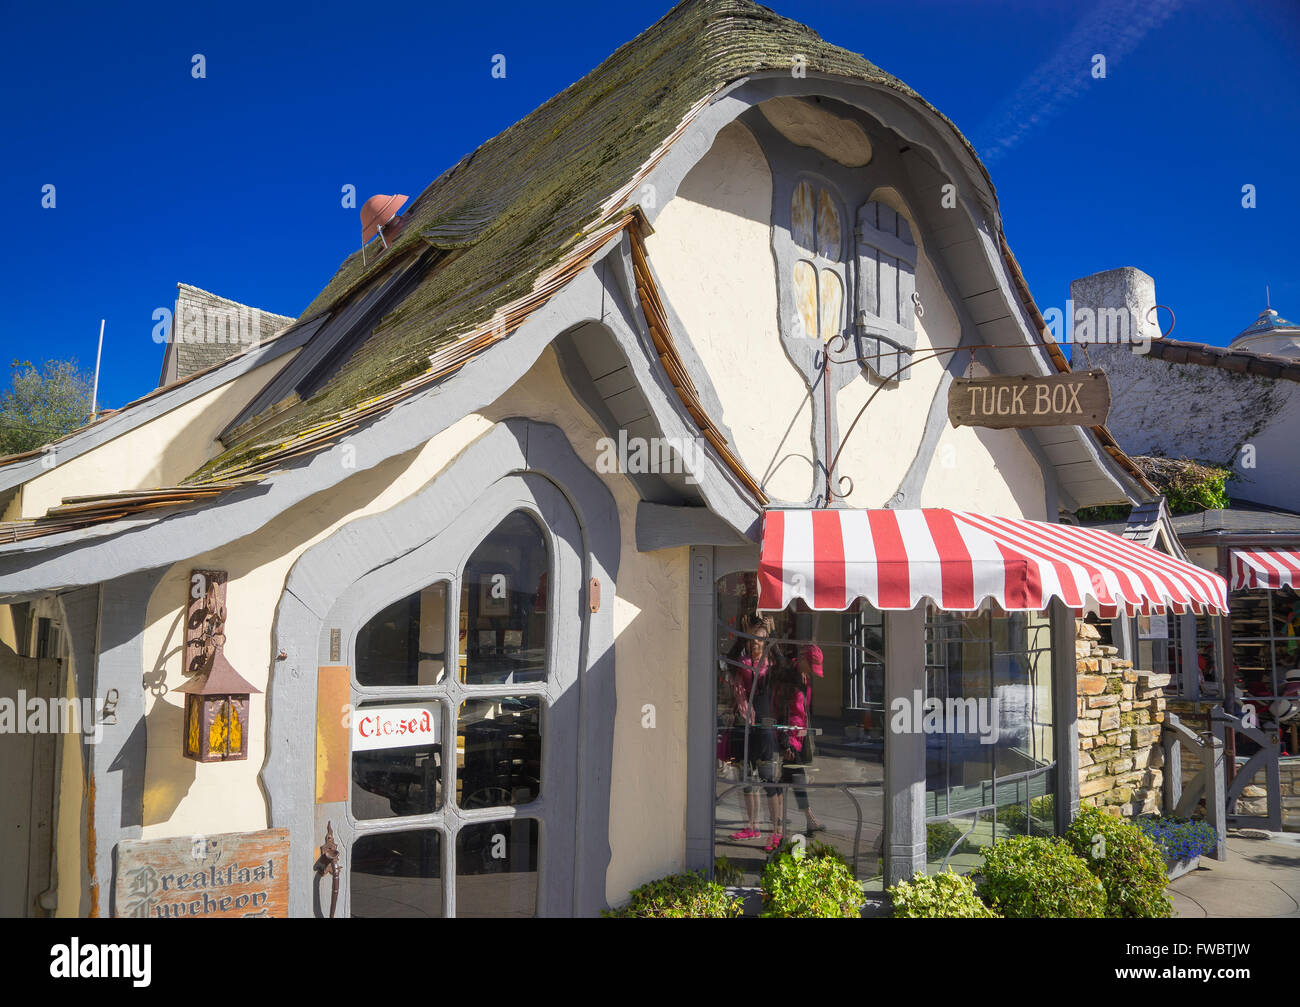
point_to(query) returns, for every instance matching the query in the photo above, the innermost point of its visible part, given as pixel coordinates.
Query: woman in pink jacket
(792, 702)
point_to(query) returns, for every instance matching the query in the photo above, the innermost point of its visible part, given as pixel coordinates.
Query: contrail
(1113, 28)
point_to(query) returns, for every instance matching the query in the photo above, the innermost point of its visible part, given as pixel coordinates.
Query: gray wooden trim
(318, 592)
(81, 628)
(904, 795)
(117, 763)
(701, 715)
(660, 526)
(578, 378)
(159, 404)
(1190, 685)
(889, 244)
(1121, 636)
(1066, 715)
(734, 559)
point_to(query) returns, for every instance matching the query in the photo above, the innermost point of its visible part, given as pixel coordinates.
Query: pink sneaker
(773, 843)
(745, 834)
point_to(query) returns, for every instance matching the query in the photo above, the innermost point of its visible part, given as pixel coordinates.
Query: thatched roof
(490, 228)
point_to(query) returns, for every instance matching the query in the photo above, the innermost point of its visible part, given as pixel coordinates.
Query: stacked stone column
(1121, 711)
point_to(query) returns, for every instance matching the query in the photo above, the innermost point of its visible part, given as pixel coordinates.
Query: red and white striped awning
(1272, 569)
(957, 559)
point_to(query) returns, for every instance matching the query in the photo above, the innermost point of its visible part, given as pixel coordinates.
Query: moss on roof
(518, 203)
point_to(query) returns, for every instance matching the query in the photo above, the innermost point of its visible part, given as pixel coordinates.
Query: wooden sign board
(1057, 400)
(242, 874)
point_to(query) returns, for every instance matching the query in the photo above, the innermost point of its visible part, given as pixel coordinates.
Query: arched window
(439, 732)
(817, 230)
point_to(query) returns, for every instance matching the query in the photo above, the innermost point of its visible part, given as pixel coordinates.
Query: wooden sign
(243, 874)
(1057, 400)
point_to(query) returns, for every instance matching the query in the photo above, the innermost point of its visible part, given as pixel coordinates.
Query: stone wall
(1120, 711)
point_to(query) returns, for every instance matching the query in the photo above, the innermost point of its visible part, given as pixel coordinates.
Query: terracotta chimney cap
(378, 212)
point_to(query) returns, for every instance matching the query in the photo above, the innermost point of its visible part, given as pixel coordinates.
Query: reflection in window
(503, 606)
(396, 875)
(496, 869)
(800, 732)
(405, 643)
(396, 760)
(988, 724)
(499, 759)
(817, 231)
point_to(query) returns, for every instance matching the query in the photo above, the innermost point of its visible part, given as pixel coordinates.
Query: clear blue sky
(232, 183)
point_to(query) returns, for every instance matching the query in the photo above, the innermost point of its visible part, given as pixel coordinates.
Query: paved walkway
(1261, 877)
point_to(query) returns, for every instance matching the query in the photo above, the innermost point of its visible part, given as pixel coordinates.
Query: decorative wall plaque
(243, 874)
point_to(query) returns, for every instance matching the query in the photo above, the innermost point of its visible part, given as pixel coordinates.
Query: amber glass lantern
(216, 714)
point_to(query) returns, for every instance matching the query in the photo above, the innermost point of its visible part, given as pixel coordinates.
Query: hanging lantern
(216, 698)
(216, 714)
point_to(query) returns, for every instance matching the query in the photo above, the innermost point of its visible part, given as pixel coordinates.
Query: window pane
(805, 296)
(832, 300)
(801, 217)
(1020, 718)
(404, 644)
(828, 226)
(988, 707)
(396, 760)
(503, 606)
(396, 875)
(496, 869)
(499, 757)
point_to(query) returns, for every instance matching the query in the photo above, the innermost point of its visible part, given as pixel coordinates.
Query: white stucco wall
(712, 252)
(1241, 421)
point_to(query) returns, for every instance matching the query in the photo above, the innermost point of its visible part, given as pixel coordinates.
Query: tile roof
(1265, 365)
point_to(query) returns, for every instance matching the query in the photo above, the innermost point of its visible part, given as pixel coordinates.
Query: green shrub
(939, 837)
(946, 896)
(726, 873)
(803, 887)
(1031, 876)
(816, 848)
(1130, 866)
(1042, 809)
(679, 896)
(811, 848)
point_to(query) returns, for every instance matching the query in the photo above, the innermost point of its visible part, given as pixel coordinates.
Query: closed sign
(1078, 399)
(395, 726)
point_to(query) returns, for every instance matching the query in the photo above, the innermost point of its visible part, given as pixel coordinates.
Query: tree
(42, 404)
